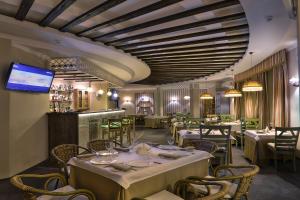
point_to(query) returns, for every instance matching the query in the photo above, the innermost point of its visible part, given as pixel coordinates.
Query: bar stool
(93, 129)
(126, 128)
(104, 129)
(115, 129)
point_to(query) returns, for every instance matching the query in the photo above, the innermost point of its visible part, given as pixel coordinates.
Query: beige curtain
(270, 105)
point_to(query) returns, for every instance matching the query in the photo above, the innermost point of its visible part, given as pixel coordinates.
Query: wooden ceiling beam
(136, 13)
(185, 36)
(203, 47)
(24, 9)
(224, 55)
(222, 19)
(55, 12)
(187, 13)
(207, 52)
(183, 65)
(210, 60)
(244, 36)
(91, 13)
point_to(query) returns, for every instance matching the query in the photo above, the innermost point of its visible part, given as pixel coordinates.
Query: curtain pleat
(271, 104)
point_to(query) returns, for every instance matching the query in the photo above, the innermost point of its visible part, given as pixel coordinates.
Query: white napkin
(142, 148)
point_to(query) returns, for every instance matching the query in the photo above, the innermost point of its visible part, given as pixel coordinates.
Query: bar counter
(77, 127)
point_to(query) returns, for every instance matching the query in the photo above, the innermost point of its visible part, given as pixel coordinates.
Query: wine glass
(171, 140)
(109, 147)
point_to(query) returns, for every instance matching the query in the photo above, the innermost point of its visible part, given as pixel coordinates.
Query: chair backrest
(193, 122)
(64, 152)
(114, 123)
(226, 118)
(218, 134)
(243, 126)
(97, 145)
(252, 123)
(202, 145)
(286, 138)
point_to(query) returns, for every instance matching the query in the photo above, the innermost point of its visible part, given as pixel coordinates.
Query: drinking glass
(109, 147)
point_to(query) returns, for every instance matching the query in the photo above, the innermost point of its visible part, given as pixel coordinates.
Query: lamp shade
(252, 86)
(232, 93)
(206, 96)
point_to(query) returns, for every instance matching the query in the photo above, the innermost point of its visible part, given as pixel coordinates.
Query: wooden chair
(115, 129)
(202, 145)
(97, 145)
(240, 134)
(286, 140)
(252, 123)
(193, 123)
(127, 127)
(239, 179)
(64, 152)
(226, 118)
(183, 190)
(65, 192)
(219, 135)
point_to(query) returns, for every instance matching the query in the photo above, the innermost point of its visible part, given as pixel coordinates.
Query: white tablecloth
(125, 179)
(193, 134)
(235, 126)
(259, 136)
(154, 121)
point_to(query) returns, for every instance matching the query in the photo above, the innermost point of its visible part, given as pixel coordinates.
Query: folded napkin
(121, 166)
(142, 148)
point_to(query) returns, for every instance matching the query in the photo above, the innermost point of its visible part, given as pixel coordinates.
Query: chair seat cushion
(163, 195)
(271, 146)
(67, 188)
(214, 188)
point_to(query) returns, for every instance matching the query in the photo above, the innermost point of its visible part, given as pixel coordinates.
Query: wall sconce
(100, 93)
(109, 93)
(127, 99)
(186, 98)
(294, 82)
(173, 99)
(115, 95)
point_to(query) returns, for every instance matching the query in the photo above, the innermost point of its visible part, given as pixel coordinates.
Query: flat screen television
(28, 78)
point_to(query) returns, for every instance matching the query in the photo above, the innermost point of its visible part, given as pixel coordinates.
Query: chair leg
(275, 161)
(242, 142)
(294, 162)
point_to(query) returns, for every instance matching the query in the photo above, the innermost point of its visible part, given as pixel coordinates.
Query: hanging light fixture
(109, 93)
(252, 86)
(232, 92)
(206, 95)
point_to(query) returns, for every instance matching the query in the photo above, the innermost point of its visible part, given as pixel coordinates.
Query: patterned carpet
(268, 184)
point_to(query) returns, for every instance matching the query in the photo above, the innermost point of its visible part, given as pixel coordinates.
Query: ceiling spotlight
(109, 93)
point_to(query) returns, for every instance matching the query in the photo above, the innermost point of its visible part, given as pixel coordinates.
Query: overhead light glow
(252, 86)
(206, 96)
(109, 93)
(232, 93)
(186, 97)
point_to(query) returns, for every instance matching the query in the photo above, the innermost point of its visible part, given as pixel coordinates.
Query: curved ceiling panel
(178, 39)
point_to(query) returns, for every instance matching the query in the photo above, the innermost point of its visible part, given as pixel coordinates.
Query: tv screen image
(29, 78)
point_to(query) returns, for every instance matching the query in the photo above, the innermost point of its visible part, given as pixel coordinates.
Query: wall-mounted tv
(28, 78)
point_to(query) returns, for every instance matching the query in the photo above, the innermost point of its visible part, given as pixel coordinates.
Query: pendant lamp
(232, 92)
(206, 95)
(252, 86)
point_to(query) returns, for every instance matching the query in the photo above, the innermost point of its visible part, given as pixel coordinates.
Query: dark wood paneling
(169, 18)
(62, 129)
(131, 15)
(55, 12)
(91, 13)
(24, 9)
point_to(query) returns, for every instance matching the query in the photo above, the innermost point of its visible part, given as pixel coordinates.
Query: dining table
(255, 148)
(154, 121)
(148, 172)
(184, 135)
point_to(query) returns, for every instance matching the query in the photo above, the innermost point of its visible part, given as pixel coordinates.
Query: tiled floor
(268, 184)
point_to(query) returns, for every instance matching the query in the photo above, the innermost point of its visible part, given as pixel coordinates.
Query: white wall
(294, 91)
(26, 138)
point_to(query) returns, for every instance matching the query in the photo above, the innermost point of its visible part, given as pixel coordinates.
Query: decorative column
(195, 99)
